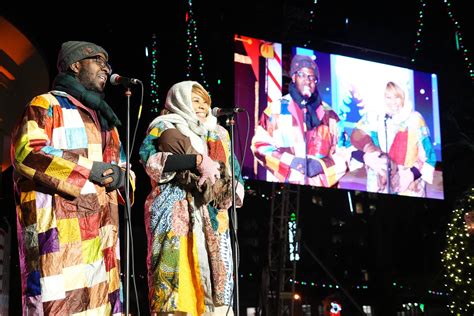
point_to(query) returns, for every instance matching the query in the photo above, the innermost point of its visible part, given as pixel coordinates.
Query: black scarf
(68, 83)
(311, 103)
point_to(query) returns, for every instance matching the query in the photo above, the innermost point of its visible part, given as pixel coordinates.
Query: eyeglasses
(310, 78)
(101, 62)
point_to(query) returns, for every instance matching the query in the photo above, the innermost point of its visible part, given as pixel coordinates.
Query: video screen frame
(352, 87)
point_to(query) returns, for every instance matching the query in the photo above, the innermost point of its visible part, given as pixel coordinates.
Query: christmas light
(459, 39)
(155, 101)
(457, 253)
(312, 18)
(419, 30)
(457, 35)
(192, 45)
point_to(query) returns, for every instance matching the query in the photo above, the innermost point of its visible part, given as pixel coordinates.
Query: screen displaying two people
(334, 121)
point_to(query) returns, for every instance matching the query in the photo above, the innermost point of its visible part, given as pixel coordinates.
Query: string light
(312, 18)
(457, 258)
(421, 15)
(457, 34)
(155, 101)
(192, 45)
(356, 286)
(459, 39)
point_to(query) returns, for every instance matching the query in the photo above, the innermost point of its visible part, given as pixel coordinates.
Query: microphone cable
(129, 222)
(138, 116)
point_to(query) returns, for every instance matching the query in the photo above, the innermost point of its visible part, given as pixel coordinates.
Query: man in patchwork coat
(296, 137)
(68, 174)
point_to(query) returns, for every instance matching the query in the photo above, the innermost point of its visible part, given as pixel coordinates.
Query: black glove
(313, 166)
(97, 172)
(118, 179)
(298, 164)
(108, 175)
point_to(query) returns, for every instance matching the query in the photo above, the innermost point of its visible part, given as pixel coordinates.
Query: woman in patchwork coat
(187, 156)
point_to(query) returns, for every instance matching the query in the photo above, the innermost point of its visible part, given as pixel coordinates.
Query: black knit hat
(73, 51)
(301, 61)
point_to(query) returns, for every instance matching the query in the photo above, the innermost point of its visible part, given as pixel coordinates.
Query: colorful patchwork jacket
(281, 136)
(67, 226)
(406, 138)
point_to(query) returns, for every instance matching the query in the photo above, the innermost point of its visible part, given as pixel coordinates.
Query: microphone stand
(305, 176)
(127, 220)
(233, 216)
(389, 165)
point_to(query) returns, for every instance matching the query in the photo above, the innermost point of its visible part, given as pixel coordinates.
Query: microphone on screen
(226, 111)
(306, 92)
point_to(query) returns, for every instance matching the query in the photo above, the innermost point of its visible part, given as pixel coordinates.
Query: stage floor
(356, 180)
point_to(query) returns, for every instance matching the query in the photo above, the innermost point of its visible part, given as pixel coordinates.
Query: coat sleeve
(426, 161)
(267, 153)
(239, 181)
(35, 157)
(152, 159)
(123, 164)
(335, 164)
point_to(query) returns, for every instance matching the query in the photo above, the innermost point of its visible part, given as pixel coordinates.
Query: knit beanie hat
(301, 61)
(73, 51)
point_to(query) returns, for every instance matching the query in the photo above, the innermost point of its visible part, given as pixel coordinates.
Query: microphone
(117, 79)
(306, 92)
(387, 116)
(226, 111)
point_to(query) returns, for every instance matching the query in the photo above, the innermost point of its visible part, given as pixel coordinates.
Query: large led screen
(328, 120)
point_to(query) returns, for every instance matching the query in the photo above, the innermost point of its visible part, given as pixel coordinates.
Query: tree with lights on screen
(458, 256)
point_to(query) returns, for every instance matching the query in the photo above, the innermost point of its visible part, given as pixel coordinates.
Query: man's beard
(84, 79)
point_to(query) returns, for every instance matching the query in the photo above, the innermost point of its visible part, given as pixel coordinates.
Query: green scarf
(68, 83)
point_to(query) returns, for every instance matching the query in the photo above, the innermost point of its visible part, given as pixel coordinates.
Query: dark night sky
(377, 30)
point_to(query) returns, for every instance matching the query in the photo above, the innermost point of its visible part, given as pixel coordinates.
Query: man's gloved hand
(97, 174)
(209, 169)
(108, 175)
(118, 177)
(298, 164)
(313, 166)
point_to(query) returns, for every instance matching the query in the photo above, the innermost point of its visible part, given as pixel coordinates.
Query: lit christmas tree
(457, 258)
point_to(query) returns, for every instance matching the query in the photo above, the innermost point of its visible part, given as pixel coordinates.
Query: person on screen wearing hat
(397, 149)
(296, 137)
(68, 170)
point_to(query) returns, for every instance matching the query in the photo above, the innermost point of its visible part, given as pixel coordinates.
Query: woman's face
(200, 106)
(393, 102)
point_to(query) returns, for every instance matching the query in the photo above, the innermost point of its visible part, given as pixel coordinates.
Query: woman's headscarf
(179, 103)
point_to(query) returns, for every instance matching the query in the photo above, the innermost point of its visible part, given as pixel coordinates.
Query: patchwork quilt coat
(67, 226)
(281, 136)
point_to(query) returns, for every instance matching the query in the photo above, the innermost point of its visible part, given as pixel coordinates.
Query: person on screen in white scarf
(187, 157)
(395, 146)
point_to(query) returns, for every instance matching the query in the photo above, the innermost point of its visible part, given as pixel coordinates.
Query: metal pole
(127, 221)
(233, 217)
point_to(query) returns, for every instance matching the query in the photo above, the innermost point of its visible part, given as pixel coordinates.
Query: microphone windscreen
(114, 79)
(306, 91)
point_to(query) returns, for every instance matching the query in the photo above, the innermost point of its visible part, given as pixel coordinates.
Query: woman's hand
(377, 162)
(208, 168)
(406, 178)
